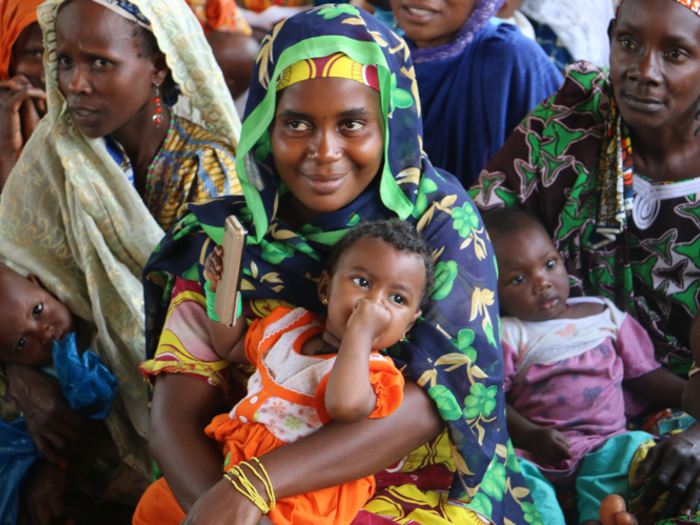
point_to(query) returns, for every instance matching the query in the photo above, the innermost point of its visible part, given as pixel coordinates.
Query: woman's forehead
(93, 26)
(78, 12)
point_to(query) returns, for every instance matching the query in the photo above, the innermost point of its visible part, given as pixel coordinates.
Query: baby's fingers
(217, 257)
(561, 448)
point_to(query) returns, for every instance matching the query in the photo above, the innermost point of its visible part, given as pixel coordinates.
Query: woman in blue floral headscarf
(454, 354)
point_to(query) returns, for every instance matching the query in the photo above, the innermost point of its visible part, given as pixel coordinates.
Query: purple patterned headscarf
(483, 11)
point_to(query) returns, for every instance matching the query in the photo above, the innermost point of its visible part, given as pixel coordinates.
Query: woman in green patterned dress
(610, 164)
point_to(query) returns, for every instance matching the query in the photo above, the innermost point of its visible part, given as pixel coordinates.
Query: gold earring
(403, 337)
(325, 301)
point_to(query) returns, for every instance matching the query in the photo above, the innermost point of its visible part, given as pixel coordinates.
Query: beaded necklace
(147, 190)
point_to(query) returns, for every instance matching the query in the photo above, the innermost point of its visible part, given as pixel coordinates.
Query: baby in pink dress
(566, 361)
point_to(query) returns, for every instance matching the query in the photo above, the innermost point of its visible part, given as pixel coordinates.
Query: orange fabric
(260, 5)
(256, 331)
(335, 505)
(15, 15)
(386, 380)
(220, 15)
(388, 384)
(158, 506)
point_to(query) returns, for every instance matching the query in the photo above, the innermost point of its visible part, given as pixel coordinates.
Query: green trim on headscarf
(258, 122)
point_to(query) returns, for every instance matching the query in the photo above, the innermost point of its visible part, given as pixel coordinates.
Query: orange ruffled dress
(286, 401)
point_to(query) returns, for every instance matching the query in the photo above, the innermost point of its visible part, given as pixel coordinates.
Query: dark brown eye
(361, 281)
(36, 312)
(398, 299)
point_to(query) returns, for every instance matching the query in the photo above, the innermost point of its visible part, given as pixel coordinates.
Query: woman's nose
(78, 84)
(646, 69)
(326, 147)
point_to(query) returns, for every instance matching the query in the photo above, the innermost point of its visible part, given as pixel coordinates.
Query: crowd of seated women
(131, 129)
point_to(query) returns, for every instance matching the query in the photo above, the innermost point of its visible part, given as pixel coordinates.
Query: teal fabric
(543, 492)
(606, 471)
(602, 473)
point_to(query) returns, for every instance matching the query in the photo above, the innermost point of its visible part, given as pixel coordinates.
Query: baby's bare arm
(350, 395)
(229, 342)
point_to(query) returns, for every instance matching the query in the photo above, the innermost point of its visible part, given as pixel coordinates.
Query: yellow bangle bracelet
(250, 491)
(265, 481)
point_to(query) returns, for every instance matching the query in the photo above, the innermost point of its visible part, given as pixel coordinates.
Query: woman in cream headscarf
(104, 173)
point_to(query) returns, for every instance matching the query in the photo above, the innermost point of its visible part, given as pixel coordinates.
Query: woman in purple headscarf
(477, 80)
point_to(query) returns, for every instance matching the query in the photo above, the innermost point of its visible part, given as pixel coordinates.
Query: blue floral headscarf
(454, 351)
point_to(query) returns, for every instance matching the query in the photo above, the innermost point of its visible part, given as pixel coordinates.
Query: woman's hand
(42, 496)
(673, 465)
(60, 433)
(223, 505)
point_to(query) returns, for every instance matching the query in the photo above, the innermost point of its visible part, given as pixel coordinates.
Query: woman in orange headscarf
(22, 96)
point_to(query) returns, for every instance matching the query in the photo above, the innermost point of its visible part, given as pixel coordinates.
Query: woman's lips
(418, 14)
(643, 104)
(325, 184)
(84, 115)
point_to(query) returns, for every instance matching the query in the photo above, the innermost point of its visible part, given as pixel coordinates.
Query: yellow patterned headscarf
(693, 5)
(337, 65)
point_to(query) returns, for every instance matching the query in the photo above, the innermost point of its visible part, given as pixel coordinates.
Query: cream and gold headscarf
(70, 216)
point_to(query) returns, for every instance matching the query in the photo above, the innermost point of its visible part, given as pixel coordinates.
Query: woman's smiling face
(431, 23)
(655, 62)
(101, 72)
(327, 144)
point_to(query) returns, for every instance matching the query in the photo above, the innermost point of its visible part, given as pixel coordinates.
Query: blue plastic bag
(17, 453)
(89, 388)
(87, 384)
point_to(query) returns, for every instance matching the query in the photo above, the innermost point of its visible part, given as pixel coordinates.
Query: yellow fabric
(337, 65)
(433, 507)
(693, 370)
(195, 166)
(637, 459)
(173, 358)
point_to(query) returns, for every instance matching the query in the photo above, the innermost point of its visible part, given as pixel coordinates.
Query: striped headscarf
(337, 65)
(693, 5)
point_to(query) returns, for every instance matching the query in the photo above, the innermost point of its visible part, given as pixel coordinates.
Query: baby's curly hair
(401, 235)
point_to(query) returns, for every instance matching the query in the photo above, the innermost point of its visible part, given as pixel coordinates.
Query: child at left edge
(309, 372)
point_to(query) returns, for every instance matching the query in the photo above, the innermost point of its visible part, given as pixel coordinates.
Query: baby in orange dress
(309, 372)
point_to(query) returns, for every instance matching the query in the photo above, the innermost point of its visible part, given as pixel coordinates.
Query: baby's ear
(418, 313)
(324, 286)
